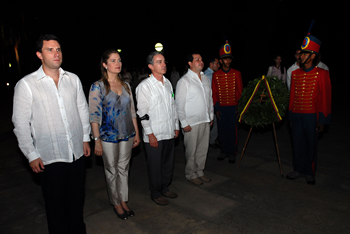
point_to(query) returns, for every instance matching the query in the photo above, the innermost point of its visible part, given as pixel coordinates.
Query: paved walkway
(253, 198)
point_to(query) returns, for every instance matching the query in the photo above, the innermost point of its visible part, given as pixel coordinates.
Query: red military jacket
(227, 87)
(311, 92)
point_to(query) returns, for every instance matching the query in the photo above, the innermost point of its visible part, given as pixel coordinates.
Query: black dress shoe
(130, 213)
(162, 201)
(123, 216)
(310, 179)
(232, 159)
(294, 175)
(311, 182)
(222, 157)
(170, 194)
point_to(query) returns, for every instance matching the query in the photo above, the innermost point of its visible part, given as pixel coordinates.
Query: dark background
(256, 30)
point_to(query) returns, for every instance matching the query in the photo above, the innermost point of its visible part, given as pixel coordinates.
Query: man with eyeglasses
(157, 111)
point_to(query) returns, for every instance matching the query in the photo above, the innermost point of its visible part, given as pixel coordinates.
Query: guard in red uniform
(309, 109)
(227, 88)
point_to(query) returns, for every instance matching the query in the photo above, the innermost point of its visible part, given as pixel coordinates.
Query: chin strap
(302, 64)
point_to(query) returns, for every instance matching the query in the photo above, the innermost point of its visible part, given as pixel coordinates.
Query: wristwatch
(95, 138)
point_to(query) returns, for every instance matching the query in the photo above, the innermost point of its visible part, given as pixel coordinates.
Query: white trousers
(196, 146)
(116, 158)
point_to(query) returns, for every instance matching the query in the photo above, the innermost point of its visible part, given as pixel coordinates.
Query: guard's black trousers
(304, 135)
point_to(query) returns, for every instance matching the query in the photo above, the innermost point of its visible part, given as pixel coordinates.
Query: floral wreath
(263, 102)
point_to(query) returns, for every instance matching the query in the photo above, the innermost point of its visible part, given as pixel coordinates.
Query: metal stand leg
(245, 145)
(278, 152)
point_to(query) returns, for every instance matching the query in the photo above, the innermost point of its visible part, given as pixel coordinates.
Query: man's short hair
(45, 37)
(190, 56)
(151, 56)
(211, 60)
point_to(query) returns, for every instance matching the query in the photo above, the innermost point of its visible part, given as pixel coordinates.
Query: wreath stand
(274, 131)
(278, 152)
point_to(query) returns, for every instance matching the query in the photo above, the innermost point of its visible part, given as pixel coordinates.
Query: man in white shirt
(194, 104)
(157, 111)
(323, 66)
(51, 120)
(294, 67)
(214, 65)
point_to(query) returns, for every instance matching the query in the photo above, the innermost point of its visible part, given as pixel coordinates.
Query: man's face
(197, 64)
(159, 65)
(226, 62)
(304, 57)
(216, 65)
(51, 54)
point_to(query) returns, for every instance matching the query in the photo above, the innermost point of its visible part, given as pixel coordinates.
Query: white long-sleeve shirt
(274, 71)
(194, 101)
(156, 100)
(289, 73)
(323, 66)
(51, 123)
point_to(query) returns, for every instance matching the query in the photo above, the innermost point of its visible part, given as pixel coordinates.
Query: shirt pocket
(155, 101)
(155, 108)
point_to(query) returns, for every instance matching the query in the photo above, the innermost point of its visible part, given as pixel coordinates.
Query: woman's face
(114, 64)
(278, 60)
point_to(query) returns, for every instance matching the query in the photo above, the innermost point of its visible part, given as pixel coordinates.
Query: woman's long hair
(281, 66)
(104, 75)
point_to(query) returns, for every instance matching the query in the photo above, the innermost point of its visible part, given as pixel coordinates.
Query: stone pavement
(253, 198)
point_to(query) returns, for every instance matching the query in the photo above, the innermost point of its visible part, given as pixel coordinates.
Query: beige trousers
(116, 158)
(196, 146)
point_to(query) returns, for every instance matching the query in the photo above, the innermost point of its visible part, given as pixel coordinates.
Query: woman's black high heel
(129, 213)
(123, 216)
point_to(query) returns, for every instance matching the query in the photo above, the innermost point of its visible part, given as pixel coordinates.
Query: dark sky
(256, 30)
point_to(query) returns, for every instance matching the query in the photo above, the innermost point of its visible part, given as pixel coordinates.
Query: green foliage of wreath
(261, 113)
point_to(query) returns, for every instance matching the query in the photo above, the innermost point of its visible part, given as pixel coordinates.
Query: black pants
(304, 135)
(227, 129)
(63, 186)
(160, 165)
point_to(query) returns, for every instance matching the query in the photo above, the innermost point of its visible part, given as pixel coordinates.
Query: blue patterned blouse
(112, 112)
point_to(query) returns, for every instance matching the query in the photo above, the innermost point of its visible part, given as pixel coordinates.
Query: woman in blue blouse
(114, 128)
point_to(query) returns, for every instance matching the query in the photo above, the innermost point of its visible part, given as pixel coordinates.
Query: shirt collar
(296, 64)
(210, 70)
(307, 70)
(41, 74)
(154, 80)
(190, 72)
(226, 71)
